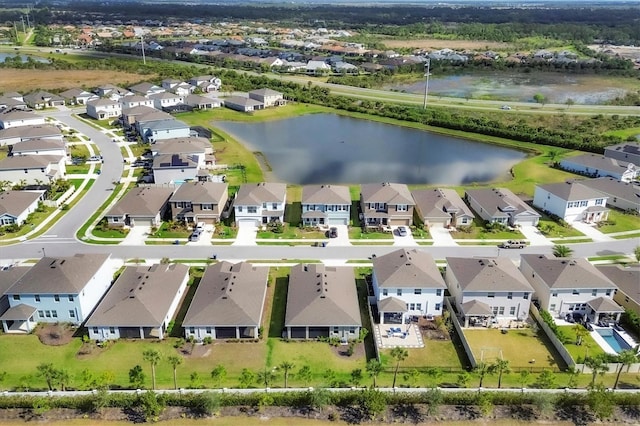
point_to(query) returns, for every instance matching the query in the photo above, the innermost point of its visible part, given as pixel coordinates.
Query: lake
(23, 58)
(521, 87)
(329, 148)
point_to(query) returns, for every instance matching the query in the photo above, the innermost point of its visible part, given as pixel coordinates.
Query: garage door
(141, 222)
(528, 221)
(315, 332)
(398, 222)
(338, 221)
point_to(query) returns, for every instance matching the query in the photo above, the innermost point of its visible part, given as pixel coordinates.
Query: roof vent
(224, 297)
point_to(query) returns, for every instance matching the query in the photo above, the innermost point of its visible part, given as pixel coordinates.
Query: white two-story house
(407, 283)
(572, 201)
(103, 109)
(57, 289)
(260, 203)
(326, 205)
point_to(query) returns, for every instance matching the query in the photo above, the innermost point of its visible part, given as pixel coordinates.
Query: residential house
(54, 147)
(8, 277)
(165, 100)
(77, 96)
(42, 99)
(112, 92)
(326, 205)
(132, 116)
(141, 206)
(595, 165)
(571, 201)
(626, 152)
(570, 286)
(627, 280)
(500, 205)
(183, 89)
(322, 301)
(318, 68)
(201, 102)
(133, 101)
(442, 207)
(342, 67)
(146, 88)
(19, 118)
(268, 97)
(386, 204)
(206, 83)
(228, 303)
(12, 102)
(407, 283)
(32, 169)
(260, 203)
(622, 195)
(192, 145)
(16, 206)
(57, 289)
(175, 168)
(140, 304)
(195, 202)
(170, 83)
(103, 109)
(153, 131)
(16, 135)
(242, 104)
(488, 290)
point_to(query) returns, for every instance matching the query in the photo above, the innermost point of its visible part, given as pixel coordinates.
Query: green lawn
(79, 150)
(168, 230)
(619, 222)
(554, 230)
(486, 345)
(623, 133)
(436, 353)
(589, 346)
(80, 169)
(479, 232)
(32, 221)
(293, 232)
(356, 233)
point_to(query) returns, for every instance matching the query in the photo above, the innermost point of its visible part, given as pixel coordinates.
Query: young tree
(562, 251)
(433, 398)
(597, 366)
(195, 381)
(463, 379)
(524, 378)
(374, 368)
(286, 367)
(136, 377)
(580, 332)
(266, 376)
(175, 361)
(153, 357)
(626, 357)
(540, 98)
(500, 367)
(218, 374)
(411, 377)
(319, 398)
(399, 354)
(246, 378)
(63, 379)
(481, 370)
(330, 377)
(48, 373)
(546, 380)
(304, 375)
(434, 373)
(356, 377)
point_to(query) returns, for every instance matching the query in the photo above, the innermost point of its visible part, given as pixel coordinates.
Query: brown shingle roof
(325, 194)
(407, 268)
(16, 202)
(141, 201)
(200, 192)
(482, 274)
(560, 272)
(253, 194)
(440, 203)
(8, 277)
(389, 193)
(626, 278)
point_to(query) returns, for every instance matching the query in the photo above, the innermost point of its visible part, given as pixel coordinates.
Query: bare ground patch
(55, 334)
(27, 80)
(429, 43)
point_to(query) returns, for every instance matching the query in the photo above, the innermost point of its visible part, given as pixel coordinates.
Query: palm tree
(625, 358)
(286, 366)
(374, 368)
(153, 357)
(266, 376)
(581, 333)
(481, 370)
(501, 367)
(562, 251)
(597, 366)
(175, 361)
(399, 354)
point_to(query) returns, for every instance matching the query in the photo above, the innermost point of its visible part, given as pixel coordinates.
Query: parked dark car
(333, 232)
(195, 236)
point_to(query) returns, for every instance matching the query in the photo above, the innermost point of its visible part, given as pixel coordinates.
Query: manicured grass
(436, 353)
(292, 232)
(623, 133)
(79, 150)
(80, 169)
(554, 230)
(479, 232)
(165, 231)
(589, 346)
(512, 344)
(32, 221)
(620, 222)
(624, 237)
(356, 233)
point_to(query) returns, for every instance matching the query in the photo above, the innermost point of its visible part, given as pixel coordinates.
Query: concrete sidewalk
(591, 231)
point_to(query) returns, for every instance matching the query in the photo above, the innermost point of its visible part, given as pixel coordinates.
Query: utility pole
(24, 29)
(427, 66)
(144, 60)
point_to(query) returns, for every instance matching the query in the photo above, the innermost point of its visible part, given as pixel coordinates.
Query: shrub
(207, 340)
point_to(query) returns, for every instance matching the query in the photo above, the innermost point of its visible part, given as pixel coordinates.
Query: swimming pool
(613, 339)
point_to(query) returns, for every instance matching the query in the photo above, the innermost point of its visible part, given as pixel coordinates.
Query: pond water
(329, 148)
(521, 87)
(23, 58)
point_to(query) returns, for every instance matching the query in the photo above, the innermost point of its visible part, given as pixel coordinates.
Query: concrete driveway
(535, 237)
(441, 236)
(591, 231)
(405, 241)
(343, 237)
(246, 234)
(137, 236)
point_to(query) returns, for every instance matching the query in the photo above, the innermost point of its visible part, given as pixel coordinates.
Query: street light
(144, 60)
(427, 66)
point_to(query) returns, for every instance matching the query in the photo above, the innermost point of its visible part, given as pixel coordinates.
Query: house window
(264, 205)
(352, 330)
(412, 306)
(40, 314)
(438, 306)
(512, 311)
(608, 293)
(207, 330)
(274, 206)
(594, 292)
(385, 292)
(37, 297)
(207, 207)
(56, 297)
(72, 313)
(439, 292)
(584, 203)
(464, 220)
(501, 310)
(491, 294)
(71, 298)
(599, 201)
(495, 310)
(419, 306)
(252, 209)
(16, 297)
(552, 307)
(576, 292)
(95, 330)
(417, 291)
(336, 330)
(510, 295)
(47, 314)
(239, 208)
(192, 330)
(402, 208)
(54, 314)
(526, 296)
(554, 294)
(399, 292)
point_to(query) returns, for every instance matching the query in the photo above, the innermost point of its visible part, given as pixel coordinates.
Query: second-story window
(402, 207)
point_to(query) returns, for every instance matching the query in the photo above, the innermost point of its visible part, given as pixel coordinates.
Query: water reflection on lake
(328, 148)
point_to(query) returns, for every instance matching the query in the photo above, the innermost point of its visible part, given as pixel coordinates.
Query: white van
(200, 226)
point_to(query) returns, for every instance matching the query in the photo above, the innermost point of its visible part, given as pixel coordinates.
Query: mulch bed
(55, 334)
(341, 350)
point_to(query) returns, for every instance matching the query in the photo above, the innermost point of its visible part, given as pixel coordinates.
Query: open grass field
(489, 344)
(434, 43)
(27, 80)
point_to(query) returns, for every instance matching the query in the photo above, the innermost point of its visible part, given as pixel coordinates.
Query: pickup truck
(513, 244)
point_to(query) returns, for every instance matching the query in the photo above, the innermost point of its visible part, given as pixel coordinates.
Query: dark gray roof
(174, 161)
(500, 202)
(440, 203)
(614, 188)
(59, 275)
(37, 144)
(265, 92)
(16, 202)
(8, 277)
(253, 194)
(40, 96)
(389, 193)
(392, 304)
(560, 272)
(30, 132)
(28, 162)
(604, 304)
(141, 201)
(141, 296)
(142, 109)
(18, 115)
(320, 295)
(200, 192)
(74, 93)
(18, 313)
(243, 102)
(102, 102)
(325, 194)
(169, 124)
(596, 161)
(408, 269)
(571, 191)
(229, 295)
(186, 145)
(626, 147)
(476, 307)
(481, 274)
(626, 278)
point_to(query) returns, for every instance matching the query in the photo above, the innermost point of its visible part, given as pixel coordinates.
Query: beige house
(143, 206)
(627, 279)
(268, 97)
(386, 204)
(442, 207)
(195, 202)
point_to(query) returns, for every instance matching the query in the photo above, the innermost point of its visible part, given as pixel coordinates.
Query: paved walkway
(441, 236)
(535, 237)
(246, 234)
(591, 231)
(384, 339)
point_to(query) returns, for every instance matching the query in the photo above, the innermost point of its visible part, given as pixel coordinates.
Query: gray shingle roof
(18, 313)
(626, 278)
(59, 275)
(476, 307)
(499, 202)
(141, 201)
(244, 102)
(482, 274)
(560, 272)
(596, 161)
(325, 194)
(392, 304)
(141, 296)
(407, 268)
(604, 304)
(30, 132)
(320, 295)
(265, 92)
(229, 295)
(389, 193)
(200, 192)
(8, 277)
(16, 202)
(440, 203)
(37, 144)
(253, 194)
(614, 188)
(28, 162)
(182, 145)
(571, 191)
